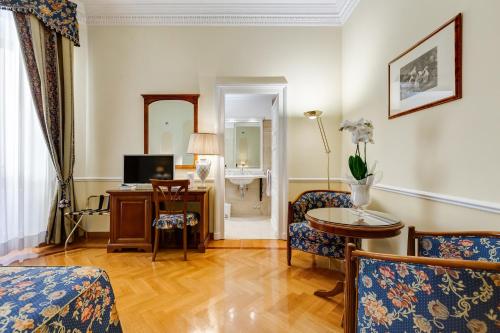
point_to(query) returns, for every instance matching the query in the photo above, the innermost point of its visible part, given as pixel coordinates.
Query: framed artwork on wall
(429, 73)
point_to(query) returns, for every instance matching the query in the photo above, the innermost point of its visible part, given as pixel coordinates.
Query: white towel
(268, 182)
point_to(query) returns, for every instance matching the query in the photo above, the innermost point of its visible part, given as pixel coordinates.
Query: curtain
(49, 61)
(27, 177)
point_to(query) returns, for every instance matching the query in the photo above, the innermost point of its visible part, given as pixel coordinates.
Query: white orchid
(362, 130)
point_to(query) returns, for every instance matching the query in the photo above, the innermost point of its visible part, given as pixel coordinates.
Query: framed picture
(429, 73)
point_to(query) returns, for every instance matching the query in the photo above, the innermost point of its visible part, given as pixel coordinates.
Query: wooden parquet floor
(223, 290)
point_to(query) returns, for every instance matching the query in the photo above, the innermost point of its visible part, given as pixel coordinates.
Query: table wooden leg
(339, 288)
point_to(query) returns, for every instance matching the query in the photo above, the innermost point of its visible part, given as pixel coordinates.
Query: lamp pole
(316, 114)
(327, 147)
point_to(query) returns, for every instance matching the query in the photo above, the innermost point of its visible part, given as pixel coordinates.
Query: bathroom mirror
(169, 120)
(243, 146)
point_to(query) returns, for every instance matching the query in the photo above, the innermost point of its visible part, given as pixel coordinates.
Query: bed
(57, 299)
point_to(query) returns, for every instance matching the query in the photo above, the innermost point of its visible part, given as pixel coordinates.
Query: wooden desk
(132, 213)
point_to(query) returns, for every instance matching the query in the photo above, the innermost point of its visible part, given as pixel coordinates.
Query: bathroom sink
(243, 179)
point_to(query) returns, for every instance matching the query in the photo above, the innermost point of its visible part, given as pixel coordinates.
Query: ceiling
(217, 12)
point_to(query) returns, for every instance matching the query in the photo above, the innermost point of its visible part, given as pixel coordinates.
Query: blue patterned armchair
(412, 294)
(467, 245)
(304, 238)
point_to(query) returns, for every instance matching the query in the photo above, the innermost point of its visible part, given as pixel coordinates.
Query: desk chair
(167, 196)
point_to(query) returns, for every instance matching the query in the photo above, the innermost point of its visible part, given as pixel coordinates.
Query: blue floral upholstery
(318, 199)
(400, 297)
(303, 237)
(171, 221)
(307, 239)
(57, 299)
(460, 247)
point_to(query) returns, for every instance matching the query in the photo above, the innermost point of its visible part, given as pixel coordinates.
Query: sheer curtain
(27, 176)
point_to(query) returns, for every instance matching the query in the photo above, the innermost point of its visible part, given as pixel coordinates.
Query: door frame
(274, 86)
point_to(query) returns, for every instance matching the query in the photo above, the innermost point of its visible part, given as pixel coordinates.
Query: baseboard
(97, 235)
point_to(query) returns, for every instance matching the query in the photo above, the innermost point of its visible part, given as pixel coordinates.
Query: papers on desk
(128, 187)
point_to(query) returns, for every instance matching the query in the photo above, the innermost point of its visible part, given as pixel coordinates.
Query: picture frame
(429, 73)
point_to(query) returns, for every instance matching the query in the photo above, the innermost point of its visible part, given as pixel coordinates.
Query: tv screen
(139, 169)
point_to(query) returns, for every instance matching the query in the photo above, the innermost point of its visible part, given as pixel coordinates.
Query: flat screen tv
(139, 169)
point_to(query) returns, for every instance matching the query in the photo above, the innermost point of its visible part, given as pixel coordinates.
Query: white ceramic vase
(203, 169)
(360, 195)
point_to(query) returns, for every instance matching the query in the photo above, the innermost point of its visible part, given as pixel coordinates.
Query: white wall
(125, 62)
(248, 106)
(450, 149)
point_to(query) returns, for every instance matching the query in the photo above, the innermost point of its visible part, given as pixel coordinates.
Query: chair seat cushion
(170, 221)
(305, 238)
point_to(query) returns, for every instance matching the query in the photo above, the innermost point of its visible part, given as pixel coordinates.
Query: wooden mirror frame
(148, 99)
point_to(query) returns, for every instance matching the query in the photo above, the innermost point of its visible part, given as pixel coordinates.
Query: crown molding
(347, 10)
(215, 20)
(332, 13)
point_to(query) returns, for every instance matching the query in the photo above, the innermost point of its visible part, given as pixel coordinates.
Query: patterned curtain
(47, 46)
(57, 15)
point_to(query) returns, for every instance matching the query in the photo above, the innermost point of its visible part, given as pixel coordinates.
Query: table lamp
(316, 115)
(203, 144)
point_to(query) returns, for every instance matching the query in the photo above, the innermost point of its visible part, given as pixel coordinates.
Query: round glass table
(349, 222)
(354, 225)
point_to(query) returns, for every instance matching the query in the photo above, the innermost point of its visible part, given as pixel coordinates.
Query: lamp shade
(203, 144)
(313, 114)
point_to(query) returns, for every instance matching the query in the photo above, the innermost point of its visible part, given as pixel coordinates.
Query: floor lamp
(316, 114)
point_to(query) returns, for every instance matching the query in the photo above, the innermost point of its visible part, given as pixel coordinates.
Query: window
(27, 177)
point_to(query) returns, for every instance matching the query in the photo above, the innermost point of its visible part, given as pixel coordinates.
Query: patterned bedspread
(57, 299)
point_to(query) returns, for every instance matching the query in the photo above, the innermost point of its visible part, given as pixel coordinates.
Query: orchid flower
(362, 132)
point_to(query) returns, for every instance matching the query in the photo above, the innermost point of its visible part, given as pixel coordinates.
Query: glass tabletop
(352, 217)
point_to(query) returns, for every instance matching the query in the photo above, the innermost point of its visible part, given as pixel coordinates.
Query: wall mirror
(243, 146)
(169, 120)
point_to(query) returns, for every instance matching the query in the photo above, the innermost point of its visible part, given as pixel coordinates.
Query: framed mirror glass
(169, 121)
(243, 146)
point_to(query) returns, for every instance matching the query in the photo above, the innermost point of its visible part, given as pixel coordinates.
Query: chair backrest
(414, 294)
(167, 194)
(467, 245)
(317, 199)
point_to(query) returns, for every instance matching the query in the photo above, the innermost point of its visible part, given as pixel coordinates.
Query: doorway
(251, 177)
